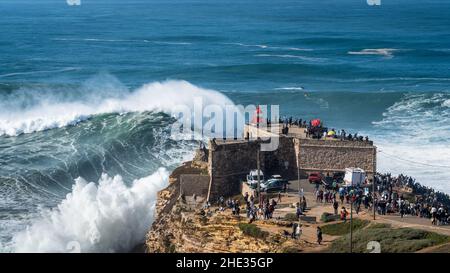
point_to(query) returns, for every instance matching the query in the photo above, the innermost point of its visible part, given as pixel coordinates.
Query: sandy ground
(308, 239)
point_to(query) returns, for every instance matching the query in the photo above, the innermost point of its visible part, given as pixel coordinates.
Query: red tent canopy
(315, 122)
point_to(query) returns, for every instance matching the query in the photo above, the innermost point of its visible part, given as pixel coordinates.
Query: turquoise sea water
(85, 90)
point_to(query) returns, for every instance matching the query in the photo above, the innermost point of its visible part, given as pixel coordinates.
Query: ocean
(86, 94)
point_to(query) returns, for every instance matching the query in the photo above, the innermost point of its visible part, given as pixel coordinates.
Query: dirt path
(444, 248)
(308, 239)
(411, 222)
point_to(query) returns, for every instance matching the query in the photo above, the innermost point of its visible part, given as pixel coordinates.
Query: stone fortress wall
(335, 156)
(229, 161)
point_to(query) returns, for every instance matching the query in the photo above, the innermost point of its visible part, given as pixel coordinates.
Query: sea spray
(54, 111)
(108, 217)
(412, 138)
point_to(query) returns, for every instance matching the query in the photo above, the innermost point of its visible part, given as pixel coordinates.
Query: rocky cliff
(181, 225)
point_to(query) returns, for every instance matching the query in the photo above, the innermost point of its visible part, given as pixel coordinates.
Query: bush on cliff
(400, 240)
(253, 230)
(292, 217)
(343, 228)
(328, 217)
(379, 225)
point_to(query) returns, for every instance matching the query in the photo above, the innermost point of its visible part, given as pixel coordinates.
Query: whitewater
(108, 214)
(49, 112)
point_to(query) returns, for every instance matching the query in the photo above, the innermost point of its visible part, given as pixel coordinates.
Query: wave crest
(51, 111)
(386, 52)
(413, 138)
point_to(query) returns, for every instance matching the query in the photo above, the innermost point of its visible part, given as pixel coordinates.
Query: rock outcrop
(181, 225)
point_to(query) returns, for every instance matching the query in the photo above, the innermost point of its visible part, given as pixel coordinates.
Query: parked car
(252, 178)
(276, 177)
(315, 178)
(275, 183)
(339, 177)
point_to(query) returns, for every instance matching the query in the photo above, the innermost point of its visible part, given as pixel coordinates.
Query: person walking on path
(344, 214)
(294, 231)
(335, 207)
(298, 232)
(319, 235)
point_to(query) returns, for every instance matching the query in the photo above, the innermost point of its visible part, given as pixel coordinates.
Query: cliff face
(184, 230)
(182, 226)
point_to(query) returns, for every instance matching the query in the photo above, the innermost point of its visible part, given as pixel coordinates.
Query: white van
(252, 178)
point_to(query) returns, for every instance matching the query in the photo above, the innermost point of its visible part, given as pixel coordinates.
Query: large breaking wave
(55, 139)
(413, 138)
(47, 111)
(104, 217)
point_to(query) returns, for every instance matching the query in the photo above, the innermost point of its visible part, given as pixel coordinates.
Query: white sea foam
(170, 43)
(108, 217)
(386, 52)
(119, 41)
(305, 58)
(39, 72)
(271, 47)
(53, 112)
(94, 40)
(446, 103)
(293, 88)
(413, 138)
(297, 49)
(249, 45)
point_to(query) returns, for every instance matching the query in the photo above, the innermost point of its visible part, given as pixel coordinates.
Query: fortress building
(295, 151)
(229, 161)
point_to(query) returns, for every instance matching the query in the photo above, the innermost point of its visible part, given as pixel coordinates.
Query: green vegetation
(343, 228)
(400, 240)
(291, 217)
(253, 230)
(445, 248)
(379, 225)
(329, 217)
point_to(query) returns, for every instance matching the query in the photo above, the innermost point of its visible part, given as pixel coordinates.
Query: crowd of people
(263, 211)
(290, 121)
(423, 202)
(400, 195)
(317, 130)
(356, 195)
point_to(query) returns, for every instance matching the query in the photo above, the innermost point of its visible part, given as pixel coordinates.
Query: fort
(186, 222)
(296, 155)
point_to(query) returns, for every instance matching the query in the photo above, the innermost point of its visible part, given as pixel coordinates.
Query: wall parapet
(230, 160)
